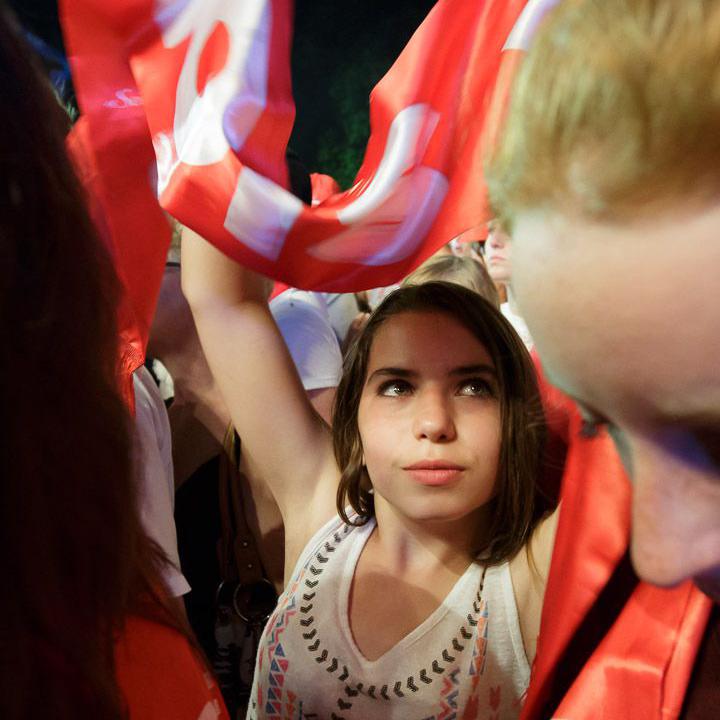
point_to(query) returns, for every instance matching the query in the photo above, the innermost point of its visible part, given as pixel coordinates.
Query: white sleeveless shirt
(465, 661)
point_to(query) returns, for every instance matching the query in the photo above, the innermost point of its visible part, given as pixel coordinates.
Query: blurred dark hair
(519, 502)
(73, 557)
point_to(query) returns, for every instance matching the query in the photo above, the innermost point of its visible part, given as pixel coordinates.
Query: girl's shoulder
(529, 571)
(333, 531)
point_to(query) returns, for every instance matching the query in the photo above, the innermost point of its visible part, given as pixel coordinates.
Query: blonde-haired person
(608, 178)
(443, 265)
(464, 271)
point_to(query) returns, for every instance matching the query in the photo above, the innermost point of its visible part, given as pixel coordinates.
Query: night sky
(340, 51)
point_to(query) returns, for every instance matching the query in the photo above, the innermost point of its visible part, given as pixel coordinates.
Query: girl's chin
(435, 512)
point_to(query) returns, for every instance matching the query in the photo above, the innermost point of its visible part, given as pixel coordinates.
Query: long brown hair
(73, 557)
(519, 503)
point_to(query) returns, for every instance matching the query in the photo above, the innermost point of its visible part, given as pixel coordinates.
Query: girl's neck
(409, 546)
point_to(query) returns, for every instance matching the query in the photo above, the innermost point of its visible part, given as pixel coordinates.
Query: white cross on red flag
(206, 85)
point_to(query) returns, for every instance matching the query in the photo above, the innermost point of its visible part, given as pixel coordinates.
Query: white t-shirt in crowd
(343, 309)
(519, 324)
(154, 474)
(304, 322)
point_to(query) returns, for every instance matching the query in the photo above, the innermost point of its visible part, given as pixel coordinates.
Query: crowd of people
(360, 505)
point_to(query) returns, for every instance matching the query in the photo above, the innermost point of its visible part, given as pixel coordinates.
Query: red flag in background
(215, 82)
(114, 157)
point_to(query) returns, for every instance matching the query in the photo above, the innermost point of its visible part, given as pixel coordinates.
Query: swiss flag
(207, 83)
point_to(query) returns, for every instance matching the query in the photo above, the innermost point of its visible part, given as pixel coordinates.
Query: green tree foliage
(341, 50)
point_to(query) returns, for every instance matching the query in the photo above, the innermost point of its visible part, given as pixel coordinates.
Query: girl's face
(429, 418)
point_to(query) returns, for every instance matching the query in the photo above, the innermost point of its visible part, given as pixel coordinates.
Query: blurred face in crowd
(639, 348)
(498, 254)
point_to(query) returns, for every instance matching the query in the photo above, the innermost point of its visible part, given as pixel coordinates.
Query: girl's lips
(435, 472)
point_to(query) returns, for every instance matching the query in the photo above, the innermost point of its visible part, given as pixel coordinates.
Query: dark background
(340, 51)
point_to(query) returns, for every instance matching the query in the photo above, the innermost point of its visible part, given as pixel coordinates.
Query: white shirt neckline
(343, 601)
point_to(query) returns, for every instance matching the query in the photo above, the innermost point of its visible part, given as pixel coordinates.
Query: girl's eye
(395, 388)
(477, 387)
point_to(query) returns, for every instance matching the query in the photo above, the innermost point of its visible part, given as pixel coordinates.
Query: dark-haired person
(85, 631)
(608, 177)
(411, 528)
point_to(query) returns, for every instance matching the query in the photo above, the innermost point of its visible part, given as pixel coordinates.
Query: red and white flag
(214, 81)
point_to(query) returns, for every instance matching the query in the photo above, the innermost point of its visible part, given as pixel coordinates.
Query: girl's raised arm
(281, 434)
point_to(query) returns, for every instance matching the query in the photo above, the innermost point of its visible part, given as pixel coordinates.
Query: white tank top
(465, 661)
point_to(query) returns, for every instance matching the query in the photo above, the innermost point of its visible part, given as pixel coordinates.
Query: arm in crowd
(280, 431)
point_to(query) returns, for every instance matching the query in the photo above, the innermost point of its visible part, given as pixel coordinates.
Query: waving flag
(213, 78)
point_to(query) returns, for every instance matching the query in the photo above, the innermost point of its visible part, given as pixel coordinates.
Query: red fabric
(161, 678)
(278, 288)
(559, 410)
(323, 187)
(642, 666)
(478, 233)
(215, 86)
(111, 147)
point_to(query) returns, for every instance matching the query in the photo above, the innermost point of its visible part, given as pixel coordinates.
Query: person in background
(343, 309)
(464, 271)
(197, 414)
(306, 326)
(222, 501)
(498, 258)
(155, 478)
(610, 186)
(87, 631)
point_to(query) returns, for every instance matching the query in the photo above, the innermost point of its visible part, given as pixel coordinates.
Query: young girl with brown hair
(410, 590)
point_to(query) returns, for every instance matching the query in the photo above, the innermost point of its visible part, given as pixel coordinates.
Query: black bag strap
(237, 551)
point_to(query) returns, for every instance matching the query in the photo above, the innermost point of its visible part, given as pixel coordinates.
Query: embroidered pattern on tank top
(445, 669)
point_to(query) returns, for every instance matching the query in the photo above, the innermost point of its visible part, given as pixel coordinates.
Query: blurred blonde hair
(463, 271)
(615, 111)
